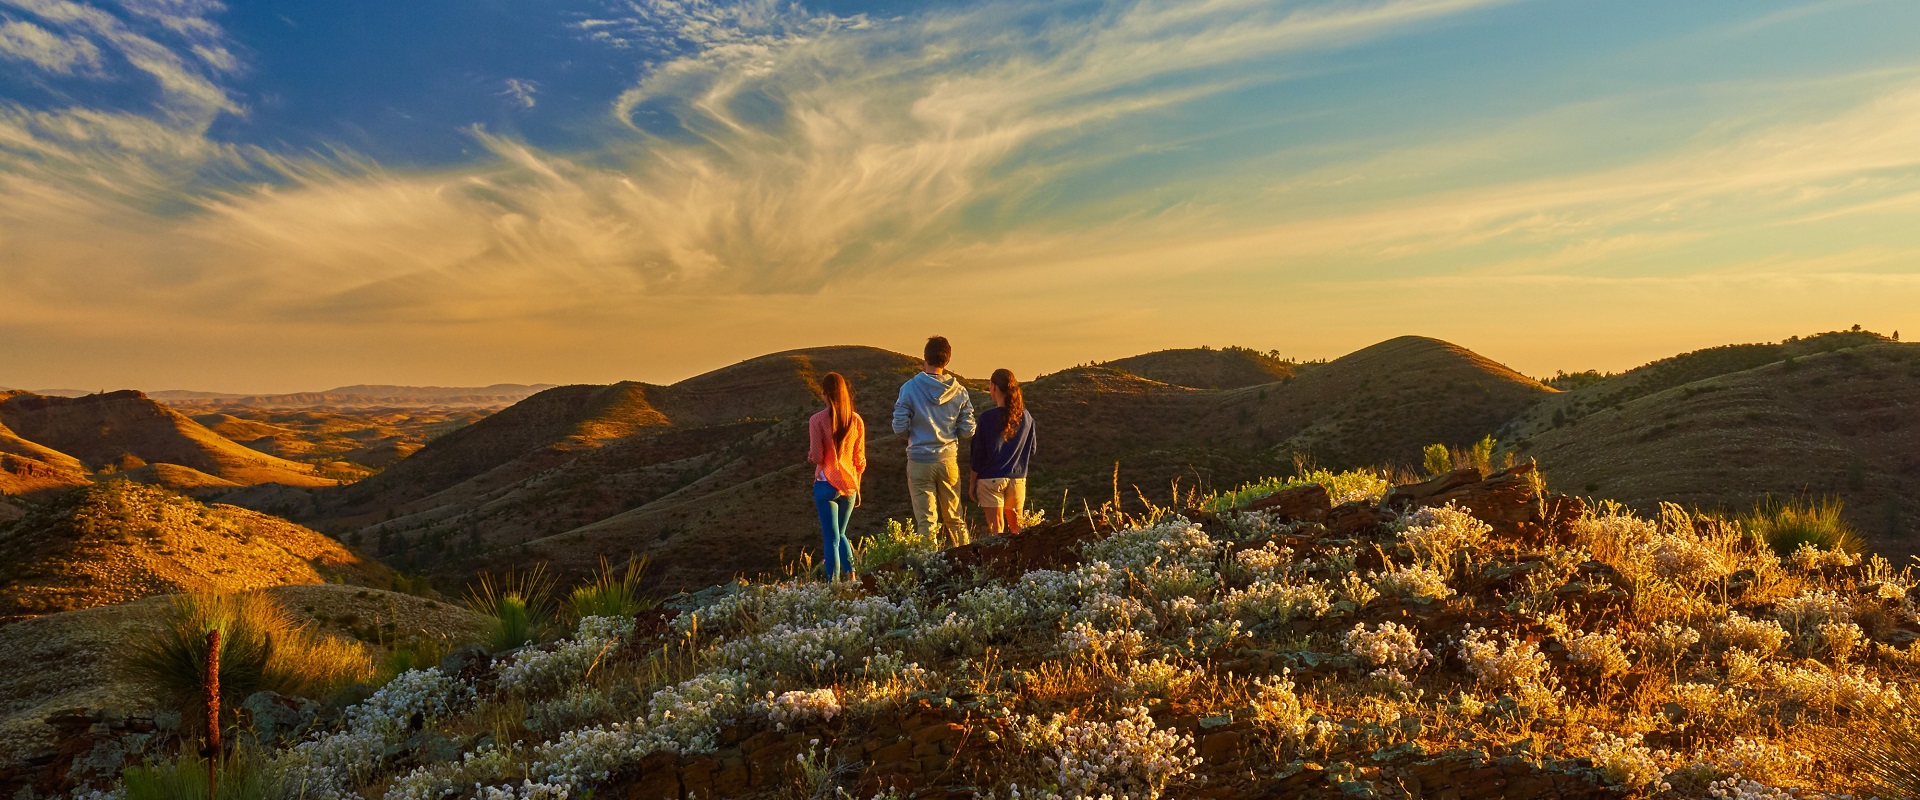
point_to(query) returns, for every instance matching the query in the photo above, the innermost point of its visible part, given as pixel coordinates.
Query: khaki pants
(935, 488)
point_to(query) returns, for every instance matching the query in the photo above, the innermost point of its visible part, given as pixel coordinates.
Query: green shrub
(412, 655)
(242, 777)
(897, 543)
(1479, 456)
(1436, 459)
(517, 606)
(1342, 487)
(611, 593)
(1785, 525)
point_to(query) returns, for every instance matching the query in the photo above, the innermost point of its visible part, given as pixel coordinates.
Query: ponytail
(1015, 404)
(839, 407)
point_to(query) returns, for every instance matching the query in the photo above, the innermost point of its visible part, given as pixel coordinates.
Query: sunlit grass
(517, 605)
(1785, 525)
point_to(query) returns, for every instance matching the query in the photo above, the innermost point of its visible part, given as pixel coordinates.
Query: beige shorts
(1001, 492)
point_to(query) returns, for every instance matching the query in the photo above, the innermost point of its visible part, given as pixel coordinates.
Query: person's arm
(859, 444)
(815, 445)
(976, 453)
(966, 421)
(902, 413)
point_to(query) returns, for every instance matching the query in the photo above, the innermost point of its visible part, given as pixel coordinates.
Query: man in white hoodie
(934, 412)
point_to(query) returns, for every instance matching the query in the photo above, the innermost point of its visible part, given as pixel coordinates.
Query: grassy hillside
(125, 430)
(1613, 391)
(708, 475)
(1378, 405)
(1206, 368)
(119, 541)
(87, 645)
(1488, 642)
(339, 441)
(29, 468)
(1841, 423)
(633, 459)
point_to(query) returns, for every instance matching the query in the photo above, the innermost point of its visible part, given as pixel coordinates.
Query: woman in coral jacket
(837, 446)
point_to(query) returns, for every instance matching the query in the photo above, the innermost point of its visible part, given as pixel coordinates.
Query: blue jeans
(836, 510)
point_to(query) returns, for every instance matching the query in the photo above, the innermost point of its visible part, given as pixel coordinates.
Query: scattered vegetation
(260, 648)
(518, 605)
(1343, 487)
(1787, 525)
(611, 593)
(1674, 656)
(185, 778)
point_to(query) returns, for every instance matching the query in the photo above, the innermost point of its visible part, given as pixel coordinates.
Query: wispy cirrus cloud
(765, 149)
(28, 43)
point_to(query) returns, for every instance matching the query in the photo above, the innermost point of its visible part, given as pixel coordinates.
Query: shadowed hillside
(1380, 405)
(645, 466)
(1206, 368)
(1839, 422)
(339, 441)
(708, 475)
(1376, 406)
(1613, 391)
(118, 541)
(361, 397)
(126, 430)
(27, 467)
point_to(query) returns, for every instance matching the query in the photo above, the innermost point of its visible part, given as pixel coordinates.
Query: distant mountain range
(356, 396)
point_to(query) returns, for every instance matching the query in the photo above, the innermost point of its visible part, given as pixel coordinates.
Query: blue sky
(274, 195)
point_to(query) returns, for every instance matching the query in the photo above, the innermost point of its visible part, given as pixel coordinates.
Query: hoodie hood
(933, 413)
(934, 389)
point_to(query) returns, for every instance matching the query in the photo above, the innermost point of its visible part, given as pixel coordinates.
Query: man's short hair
(939, 352)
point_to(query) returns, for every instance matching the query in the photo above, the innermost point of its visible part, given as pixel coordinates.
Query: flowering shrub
(1084, 640)
(335, 764)
(1129, 758)
(1601, 654)
(1738, 788)
(538, 671)
(1270, 562)
(1507, 665)
(1626, 761)
(1803, 615)
(1439, 536)
(1356, 589)
(1413, 581)
(1174, 557)
(796, 708)
(818, 642)
(1760, 637)
(1277, 603)
(1666, 643)
(1812, 559)
(1393, 649)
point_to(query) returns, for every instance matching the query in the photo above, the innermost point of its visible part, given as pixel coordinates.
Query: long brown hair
(839, 407)
(1015, 404)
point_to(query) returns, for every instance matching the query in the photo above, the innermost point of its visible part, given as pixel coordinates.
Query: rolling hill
(126, 430)
(119, 541)
(1811, 421)
(708, 475)
(652, 464)
(361, 397)
(1207, 368)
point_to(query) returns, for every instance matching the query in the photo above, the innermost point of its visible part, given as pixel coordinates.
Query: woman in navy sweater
(1003, 443)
